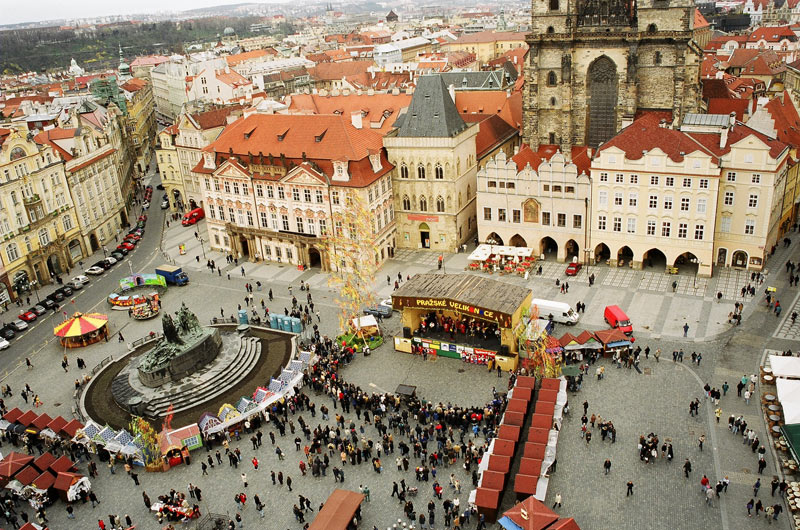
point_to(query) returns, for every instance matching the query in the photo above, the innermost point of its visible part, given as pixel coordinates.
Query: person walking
(557, 501)
(630, 488)
(685, 328)
(701, 441)
(687, 468)
(244, 479)
(756, 487)
(607, 466)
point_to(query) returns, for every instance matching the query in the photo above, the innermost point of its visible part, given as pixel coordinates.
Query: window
(653, 202)
(311, 227)
(703, 184)
(682, 229)
(749, 226)
(602, 198)
(208, 184)
(263, 219)
(728, 200)
(439, 204)
(618, 199)
(568, 189)
(245, 191)
(491, 184)
(603, 177)
(407, 203)
(651, 228)
(657, 58)
(67, 222)
(274, 219)
(756, 178)
(259, 190)
(281, 192)
(601, 222)
(752, 202)
(687, 183)
(270, 192)
(665, 228)
(633, 199)
(307, 195)
(731, 177)
(516, 216)
(420, 171)
(300, 228)
(684, 204)
(668, 202)
(438, 172)
(12, 251)
(698, 232)
(335, 197)
(631, 225)
(285, 221)
(323, 227)
(552, 78)
(403, 171)
(634, 179)
(546, 187)
(618, 224)
(227, 186)
(619, 178)
(553, 5)
(501, 214)
(231, 215)
(487, 214)
(423, 204)
(295, 194)
(725, 224)
(701, 206)
(561, 219)
(236, 188)
(221, 211)
(546, 218)
(577, 221)
(669, 181)
(318, 196)
(654, 180)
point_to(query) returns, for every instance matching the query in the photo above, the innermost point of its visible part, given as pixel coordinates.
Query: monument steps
(246, 358)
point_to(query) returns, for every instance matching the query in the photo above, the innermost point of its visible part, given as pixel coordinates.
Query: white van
(561, 311)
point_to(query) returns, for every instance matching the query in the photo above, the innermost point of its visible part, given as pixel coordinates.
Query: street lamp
(202, 247)
(35, 286)
(105, 253)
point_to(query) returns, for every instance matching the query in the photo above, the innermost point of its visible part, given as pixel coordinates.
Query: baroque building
(594, 66)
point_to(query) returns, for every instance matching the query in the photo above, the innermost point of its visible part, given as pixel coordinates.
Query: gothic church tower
(594, 64)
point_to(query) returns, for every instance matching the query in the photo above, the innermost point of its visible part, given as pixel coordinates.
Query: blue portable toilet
(243, 316)
(297, 327)
(283, 323)
(273, 321)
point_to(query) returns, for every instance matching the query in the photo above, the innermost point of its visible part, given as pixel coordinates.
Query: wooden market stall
(338, 511)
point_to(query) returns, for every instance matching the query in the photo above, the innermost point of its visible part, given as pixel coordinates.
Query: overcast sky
(36, 10)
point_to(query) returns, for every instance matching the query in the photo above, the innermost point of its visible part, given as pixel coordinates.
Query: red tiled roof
(149, 60)
(92, 160)
(338, 70)
(772, 34)
(787, 119)
(232, 78)
(493, 131)
(526, 155)
(699, 20)
(372, 106)
(214, 118)
(237, 58)
(133, 84)
(728, 105)
(756, 62)
(739, 132)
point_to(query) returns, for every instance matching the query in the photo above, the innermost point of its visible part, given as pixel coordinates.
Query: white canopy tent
(789, 397)
(788, 367)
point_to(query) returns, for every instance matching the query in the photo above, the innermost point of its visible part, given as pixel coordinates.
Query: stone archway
(573, 251)
(722, 257)
(54, 265)
(602, 253)
(601, 89)
(548, 247)
(687, 263)
(739, 259)
(517, 241)
(624, 256)
(314, 258)
(654, 258)
(93, 242)
(75, 251)
(244, 247)
(494, 239)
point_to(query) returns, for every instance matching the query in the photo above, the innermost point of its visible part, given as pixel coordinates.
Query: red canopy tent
(488, 502)
(514, 418)
(493, 480)
(543, 421)
(530, 466)
(517, 405)
(12, 463)
(538, 435)
(57, 424)
(64, 482)
(565, 524)
(45, 461)
(550, 383)
(525, 485)
(27, 418)
(12, 415)
(44, 481)
(504, 447)
(338, 510)
(509, 432)
(27, 475)
(61, 465)
(521, 392)
(42, 421)
(534, 450)
(500, 463)
(71, 428)
(546, 394)
(545, 407)
(526, 381)
(531, 514)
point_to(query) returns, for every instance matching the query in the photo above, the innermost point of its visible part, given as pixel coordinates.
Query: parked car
(145, 205)
(137, 231)
(19, 325)
(75, 286)
(27, 316)
(4, 344)
(379, 310)
(47, 303)
(133, 237)
(140, 224)
(110, 261)
(386, 303)
(126, 245)
(165, 204)
(38, 309)
(193, 217)
(66, 291)
(616, 318)
(56, 297)
(95, 270)
(81, 279)
(573, 268)
(117, 255)
(103, 264)
(122, 250)
(7, 332)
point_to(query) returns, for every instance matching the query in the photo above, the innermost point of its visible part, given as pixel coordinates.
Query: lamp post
(35, 285)
(202, 247)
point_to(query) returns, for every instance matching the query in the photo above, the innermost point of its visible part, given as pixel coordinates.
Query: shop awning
(789, 397)
(338, 510)
(791, 432)
(610, 336)
(788, 367)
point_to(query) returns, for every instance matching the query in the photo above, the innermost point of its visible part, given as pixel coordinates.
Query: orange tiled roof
(338, 70)
(700, 21)
(237, 58)
(372, 107)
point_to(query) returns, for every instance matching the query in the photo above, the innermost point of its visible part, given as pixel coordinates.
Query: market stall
(505, 260)
(82, 330)
(461, 316)
(338, 511)
(147, 309)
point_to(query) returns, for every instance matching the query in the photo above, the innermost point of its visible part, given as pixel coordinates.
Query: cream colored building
(487, 45)
(537, 200)
(169, 84)
(39, 232)
(168, 166)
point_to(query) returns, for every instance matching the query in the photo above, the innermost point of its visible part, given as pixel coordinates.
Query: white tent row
(789, 397)
(785, 366)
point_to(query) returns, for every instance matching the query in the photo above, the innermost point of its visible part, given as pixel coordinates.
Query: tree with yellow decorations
(533, 341)
(141, 429)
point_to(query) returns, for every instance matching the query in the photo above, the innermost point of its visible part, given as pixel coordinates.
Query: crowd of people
(466, 327)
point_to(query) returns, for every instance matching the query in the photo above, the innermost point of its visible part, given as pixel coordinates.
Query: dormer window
(375, 161)
(318, 137)
(208, 161)
(283, 135)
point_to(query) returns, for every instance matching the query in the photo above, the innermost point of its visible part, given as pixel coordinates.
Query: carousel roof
(80, 324)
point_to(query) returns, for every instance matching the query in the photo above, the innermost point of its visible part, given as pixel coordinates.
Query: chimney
(227, 69)
(732, 119)
(355, 119)
(723, 138)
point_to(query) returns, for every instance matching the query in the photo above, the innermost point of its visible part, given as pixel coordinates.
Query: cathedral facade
(595, 65)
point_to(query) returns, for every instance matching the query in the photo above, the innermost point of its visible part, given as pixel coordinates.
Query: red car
(573, 268)
(126, 245)
(132, 237)
(28, 316)
(143, 218)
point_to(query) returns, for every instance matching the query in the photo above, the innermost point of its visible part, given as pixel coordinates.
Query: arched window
(28, 245)
(403, 171)
(469, 191)
(12, 252)
(553, 5)
(552, 102)
(550, 29)
(406, 203)
(420, 171)
(439, 204)
(657, 58)
(438, 172)
(652, 28)
(44, 237)
(423, 204)
(552, 79)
